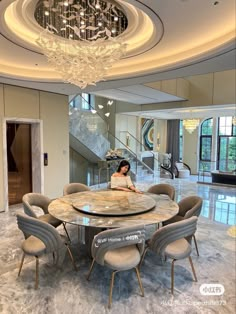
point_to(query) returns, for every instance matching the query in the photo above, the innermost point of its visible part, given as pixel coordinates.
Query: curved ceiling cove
(161, 35)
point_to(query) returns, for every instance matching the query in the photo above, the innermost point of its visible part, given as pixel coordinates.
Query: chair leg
(67, 234)
(193, 270)
(139, 281)
(71, 257)
(111, 288)
(195, 242)
(144, 253)
(172, 276)
(90, 269)
(21, 263)
(37, 273)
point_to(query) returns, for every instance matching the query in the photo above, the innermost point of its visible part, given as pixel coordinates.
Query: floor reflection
(219, 202)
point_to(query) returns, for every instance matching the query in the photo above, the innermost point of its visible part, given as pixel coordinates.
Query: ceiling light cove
(159, 36)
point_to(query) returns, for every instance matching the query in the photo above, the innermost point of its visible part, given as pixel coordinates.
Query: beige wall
(54, 113)
(190, 150)
(52, 109)
(212, 89)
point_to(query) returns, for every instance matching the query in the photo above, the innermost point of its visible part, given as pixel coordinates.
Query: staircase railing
(140, 148)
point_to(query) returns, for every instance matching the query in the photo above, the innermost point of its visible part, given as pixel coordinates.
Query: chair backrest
(117, 238)
(172, 232)
(179, 165)
(166, 189)
(30, 200)
(190, 206)
(45, 232)
(74, 188)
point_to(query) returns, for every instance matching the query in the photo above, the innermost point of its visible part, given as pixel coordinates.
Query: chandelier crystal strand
(80, 39)
(191, 124)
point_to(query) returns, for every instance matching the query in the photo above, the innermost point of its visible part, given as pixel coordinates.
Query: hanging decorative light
(191, 124)
(234, 120)
(80, 38)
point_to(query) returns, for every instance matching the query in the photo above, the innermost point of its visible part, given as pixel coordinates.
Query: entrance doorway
(19, 161)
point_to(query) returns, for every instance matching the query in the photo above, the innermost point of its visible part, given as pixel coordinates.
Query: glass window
(206, 128)
(225, 126)
(226, 145)
(85, 101)
(206, 145)
(205, 148)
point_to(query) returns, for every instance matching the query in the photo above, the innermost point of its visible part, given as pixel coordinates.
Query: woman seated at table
(120, 180)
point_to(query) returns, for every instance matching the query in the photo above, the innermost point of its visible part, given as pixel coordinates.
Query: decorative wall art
(147, 130)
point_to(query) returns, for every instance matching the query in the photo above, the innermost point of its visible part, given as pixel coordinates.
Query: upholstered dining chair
(71, 188)
(41, 238)
(188, 207)
(74, 188)
(162, 188)
(35, 203)
(119, 249)
(182, 170)
(174, 241)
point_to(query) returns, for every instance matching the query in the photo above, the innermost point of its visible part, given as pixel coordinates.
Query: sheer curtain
(173, 140)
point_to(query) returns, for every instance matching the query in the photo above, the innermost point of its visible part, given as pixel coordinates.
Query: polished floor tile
(67, 291)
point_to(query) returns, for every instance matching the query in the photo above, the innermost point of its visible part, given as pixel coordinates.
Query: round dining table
(104, 209)
(113, 209)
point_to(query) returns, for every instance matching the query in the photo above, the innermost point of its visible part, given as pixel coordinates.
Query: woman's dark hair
(122, 164)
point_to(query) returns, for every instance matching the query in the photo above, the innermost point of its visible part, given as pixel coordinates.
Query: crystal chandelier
(191, 124)
(80, 37)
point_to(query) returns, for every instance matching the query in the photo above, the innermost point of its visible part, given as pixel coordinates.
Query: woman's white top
(124, 182)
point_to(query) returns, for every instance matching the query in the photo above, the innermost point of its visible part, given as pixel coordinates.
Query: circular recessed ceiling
(160, 36)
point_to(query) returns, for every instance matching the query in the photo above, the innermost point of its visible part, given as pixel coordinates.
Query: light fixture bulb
(107, 114)
(100, 106)
(93, 111)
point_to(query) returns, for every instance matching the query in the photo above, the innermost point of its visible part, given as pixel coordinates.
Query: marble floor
(67, 291)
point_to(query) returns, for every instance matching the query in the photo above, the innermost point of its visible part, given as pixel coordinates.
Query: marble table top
(62, 208)
(113, 203)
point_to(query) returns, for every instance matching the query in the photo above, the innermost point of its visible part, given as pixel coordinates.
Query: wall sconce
(158, 141)
(127, 140)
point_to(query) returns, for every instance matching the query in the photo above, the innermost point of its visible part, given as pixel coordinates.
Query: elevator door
(19, 161)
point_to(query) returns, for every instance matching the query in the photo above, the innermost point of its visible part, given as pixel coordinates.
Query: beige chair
(41, 238)
(174, 241)
(182, 170)
(75, 188)
(119, 249)
(188, 207)
(166, 189)
(71, 188)
(35, 204)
